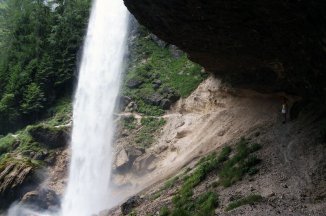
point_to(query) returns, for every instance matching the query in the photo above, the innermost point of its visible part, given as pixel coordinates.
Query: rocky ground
(291, 174)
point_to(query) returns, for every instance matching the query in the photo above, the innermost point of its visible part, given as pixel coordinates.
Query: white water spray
(88, 190)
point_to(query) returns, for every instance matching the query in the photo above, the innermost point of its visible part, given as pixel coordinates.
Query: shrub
(6, 144)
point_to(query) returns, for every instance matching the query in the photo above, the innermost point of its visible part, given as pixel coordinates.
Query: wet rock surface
(131, 203)
(42, 199)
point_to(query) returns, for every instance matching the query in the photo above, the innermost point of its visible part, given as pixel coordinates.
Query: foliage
(150, 125)
(230, 170)
(249, 200)
(6, 144)
(164, 211)
(240, 164)
(40, 41)
(129, 122)
(151, 62)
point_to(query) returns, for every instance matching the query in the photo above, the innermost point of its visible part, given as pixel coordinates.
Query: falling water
(88, 190)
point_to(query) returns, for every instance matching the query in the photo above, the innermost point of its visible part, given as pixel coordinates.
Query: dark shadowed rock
(50, 137)
(158, 41)
(165, 104)
(175, 51)
(131, 203)
(41, 199)
(15, 177)
(154, 99)
(134, 83)
(268, 45)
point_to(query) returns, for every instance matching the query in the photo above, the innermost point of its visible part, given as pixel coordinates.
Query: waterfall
(88, 190)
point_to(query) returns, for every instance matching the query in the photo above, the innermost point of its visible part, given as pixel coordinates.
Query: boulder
(134, 83)
(126, 157)
(157, 84)
(124, 102)
(131, 203)
(122, 159)
(143, 164)
(175, 51)
(165, 104)
(158, 41)
(134, 153)
(131, 107)
(51, 137)
(41, 199)
(154, 99)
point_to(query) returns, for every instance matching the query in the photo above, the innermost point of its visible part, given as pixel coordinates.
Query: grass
(240, 164)
(129, 122)
(170, 183)
(164, 211)
(151, 62)
(230, 170)
(150, 125)
(206, 203)
(249, 200)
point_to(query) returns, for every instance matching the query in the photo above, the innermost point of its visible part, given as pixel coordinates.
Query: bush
(6, 144)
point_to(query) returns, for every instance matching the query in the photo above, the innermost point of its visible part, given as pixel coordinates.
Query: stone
(49, 136)
(157, 84)
(131, 203)
(124, 101)
(141, 164)
(122, 159)
(154, 99)
(134, 83)
(131, 107)
(165, 104)
(158, 41)
(43, 199)
(175, 51)
(134, 152)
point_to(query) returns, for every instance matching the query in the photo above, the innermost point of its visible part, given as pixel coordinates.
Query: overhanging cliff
(270, 45)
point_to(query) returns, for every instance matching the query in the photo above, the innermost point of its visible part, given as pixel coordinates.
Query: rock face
(269, 45)
(14, 177)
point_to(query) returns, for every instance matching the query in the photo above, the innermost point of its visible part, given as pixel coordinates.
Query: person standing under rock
(284, 110)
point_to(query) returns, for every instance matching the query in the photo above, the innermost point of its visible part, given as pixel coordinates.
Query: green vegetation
(170, 183)
(150, 125)
(38, 51)
(129, 122)
(6, 144)
(230, 170)
(164, 211)
(152, 63)
(249, 200)
(240, 164)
